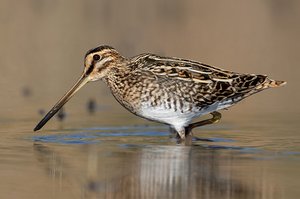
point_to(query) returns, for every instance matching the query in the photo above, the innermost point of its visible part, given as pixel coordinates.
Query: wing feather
(210, 84)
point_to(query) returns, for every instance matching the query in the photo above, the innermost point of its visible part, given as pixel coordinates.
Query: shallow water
(252, 157)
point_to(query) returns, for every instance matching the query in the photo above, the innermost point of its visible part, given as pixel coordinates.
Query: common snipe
(168, 90)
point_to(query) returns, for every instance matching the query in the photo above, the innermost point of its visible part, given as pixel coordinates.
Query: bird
(168, 90)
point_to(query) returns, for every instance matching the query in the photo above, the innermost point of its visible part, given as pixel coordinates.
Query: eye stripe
(90, 69)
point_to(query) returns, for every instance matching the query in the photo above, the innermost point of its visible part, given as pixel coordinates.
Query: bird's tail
(270, 83)
(276, 83)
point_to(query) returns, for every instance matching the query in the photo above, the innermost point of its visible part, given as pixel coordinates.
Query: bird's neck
(119, 83)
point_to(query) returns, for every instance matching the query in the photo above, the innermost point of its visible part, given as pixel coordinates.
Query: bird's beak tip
(81, 82)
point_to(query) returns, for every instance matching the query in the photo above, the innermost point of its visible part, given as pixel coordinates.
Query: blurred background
(43, 45)
(254, 151)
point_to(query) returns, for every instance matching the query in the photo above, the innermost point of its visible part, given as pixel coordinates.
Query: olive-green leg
(216, 118)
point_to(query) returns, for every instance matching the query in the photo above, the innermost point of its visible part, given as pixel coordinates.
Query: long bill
(80, 83)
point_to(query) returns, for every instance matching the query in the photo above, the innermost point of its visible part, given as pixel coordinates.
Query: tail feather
(251, 82)
(247, 85)
(276, 83)
(270, 83)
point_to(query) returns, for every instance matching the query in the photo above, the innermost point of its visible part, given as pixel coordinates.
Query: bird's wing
(206, 83)
(182, 69)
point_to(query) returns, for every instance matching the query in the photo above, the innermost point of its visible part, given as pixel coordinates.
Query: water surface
(254, 157)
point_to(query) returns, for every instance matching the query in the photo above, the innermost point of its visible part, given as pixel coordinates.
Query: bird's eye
(96, 57)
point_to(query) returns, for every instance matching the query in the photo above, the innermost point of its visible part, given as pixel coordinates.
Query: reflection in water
(159, 172)
(52, 164)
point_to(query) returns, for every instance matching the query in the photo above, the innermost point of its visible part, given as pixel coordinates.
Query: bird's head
(98, 63)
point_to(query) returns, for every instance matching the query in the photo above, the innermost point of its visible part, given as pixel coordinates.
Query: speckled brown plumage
(167, 89)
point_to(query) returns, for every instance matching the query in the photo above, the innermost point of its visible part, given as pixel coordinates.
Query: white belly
(178, 119)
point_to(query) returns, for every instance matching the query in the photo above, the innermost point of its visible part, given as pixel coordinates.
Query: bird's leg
(216, 118)
(173, 132)
(183, 137)
(178, 134)
(181, 134)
